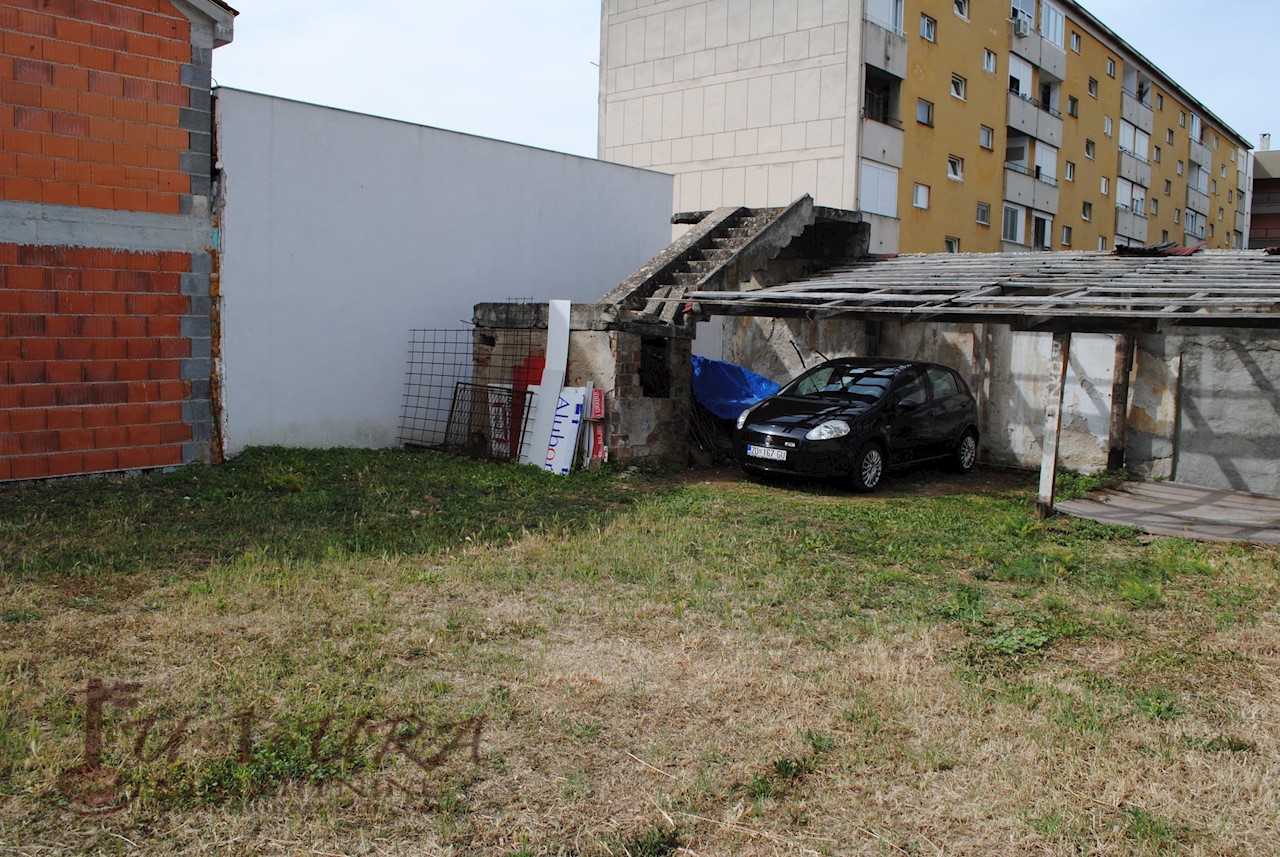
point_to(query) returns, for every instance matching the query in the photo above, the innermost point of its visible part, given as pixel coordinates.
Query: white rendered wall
(341, 232)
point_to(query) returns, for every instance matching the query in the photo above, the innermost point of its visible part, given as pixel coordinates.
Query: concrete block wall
(683, 85)
(106, 336)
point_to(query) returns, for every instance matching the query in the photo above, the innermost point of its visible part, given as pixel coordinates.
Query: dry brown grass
(633, 680)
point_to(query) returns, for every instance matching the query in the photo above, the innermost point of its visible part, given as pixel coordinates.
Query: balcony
(1134, 168)
(1197, 200)
(1200, 154)
(1133, 111)
(1130, 224)
(882, 141)
(884, 47)
(1038, 51)
(1025, 188)
(1035, 120)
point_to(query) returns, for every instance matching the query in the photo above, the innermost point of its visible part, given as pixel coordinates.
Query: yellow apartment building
(952, 125)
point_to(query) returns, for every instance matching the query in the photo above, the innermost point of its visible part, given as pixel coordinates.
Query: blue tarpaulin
(727, 390)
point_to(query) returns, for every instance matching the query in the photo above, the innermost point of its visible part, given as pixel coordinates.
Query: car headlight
(829, 430)
(742, 419)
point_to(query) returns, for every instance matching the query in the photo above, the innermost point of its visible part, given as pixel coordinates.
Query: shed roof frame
(1151, 291)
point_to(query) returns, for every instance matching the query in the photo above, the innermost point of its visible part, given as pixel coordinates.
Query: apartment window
(1105, 185)
(962, 8)
(1177, 215)
(1102, 244)
(1106, 126)
(1155, 154)
(1086, 211)
(1155, 207)
(1179, 167)
(1053, 24)
(924, 112)
(958, 86)
(1069, 172)
(1210, 230)
(1233, 156)
(1168, 187)
(986, 137)
(1066, 236)
(1075, 41)
(1159, 101)
(988, 61)
(920, 196)
(1213, 185)
(928, 28)
(1223, 171)
(951, 245)
(1219, 212)
(1164, 235)
(955, 168)
(1215, 142)
(1230, 195)
(1073, 105)
(1090, 148)
(1011, 229)
(1111, 67)
(1093, 87)
(984, 213)
(1182, 119)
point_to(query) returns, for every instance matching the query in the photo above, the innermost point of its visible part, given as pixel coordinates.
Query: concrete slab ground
(1189, 511)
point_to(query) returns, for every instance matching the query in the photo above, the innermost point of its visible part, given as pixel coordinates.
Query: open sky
(523, 70)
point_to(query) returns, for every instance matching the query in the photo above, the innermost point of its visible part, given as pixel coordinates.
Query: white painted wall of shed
(342, 232)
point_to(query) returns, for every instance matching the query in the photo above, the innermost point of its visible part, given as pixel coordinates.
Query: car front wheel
(868, 468)
(966, 452)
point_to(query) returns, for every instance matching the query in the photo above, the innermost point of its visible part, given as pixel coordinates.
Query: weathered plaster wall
(1229, 412)
(344, 231)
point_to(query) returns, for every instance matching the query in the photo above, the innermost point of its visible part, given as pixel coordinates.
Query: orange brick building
(107, 283)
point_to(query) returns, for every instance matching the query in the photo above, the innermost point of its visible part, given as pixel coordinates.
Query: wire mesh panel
(467, 391)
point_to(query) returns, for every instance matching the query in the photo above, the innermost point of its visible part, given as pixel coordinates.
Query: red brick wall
(90, 99)
(90, 360)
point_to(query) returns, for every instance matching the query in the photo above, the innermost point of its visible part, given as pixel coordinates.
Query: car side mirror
(906, 406)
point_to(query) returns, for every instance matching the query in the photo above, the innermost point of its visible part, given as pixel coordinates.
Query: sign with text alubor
(546, 402)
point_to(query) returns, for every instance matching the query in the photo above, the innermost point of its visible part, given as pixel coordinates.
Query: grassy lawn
(379, 653)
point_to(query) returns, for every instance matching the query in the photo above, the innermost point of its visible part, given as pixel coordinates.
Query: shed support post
(1118, 427)
(1053, 422)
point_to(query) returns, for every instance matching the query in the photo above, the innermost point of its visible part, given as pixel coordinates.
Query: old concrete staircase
(722, 250)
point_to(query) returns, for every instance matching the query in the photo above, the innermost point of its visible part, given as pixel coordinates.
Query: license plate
(766, 452)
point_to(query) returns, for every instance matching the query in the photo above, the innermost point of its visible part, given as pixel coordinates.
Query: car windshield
(843, 382)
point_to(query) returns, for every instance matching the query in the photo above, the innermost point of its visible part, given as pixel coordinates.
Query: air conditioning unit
(1021, 27)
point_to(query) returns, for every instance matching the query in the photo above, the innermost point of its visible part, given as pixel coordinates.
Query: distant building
(1264, 228)
(953, 125)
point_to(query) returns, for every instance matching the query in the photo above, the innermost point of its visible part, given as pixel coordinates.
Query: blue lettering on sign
(557, 434)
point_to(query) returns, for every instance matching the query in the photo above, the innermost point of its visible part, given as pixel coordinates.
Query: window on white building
(878, 189)
(1011, 229)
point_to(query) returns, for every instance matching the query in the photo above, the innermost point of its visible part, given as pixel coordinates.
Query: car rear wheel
(965, 454)
(868, 468)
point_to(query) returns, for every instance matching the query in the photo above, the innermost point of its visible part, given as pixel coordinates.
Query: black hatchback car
(856, 417)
